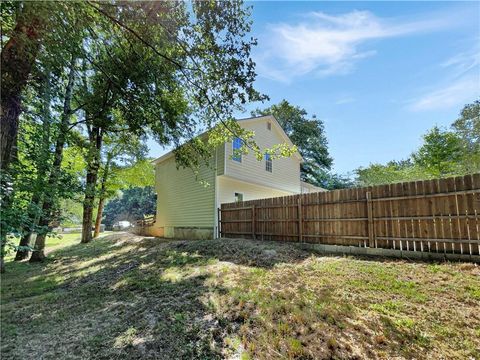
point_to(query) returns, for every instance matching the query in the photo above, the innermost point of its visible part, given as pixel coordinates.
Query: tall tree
(50, 201)
(28, 48)
(41, 159)
(167, 69)
(120, 151)
(467, 127)
(26, 34)
(308, 134)
(440, 153)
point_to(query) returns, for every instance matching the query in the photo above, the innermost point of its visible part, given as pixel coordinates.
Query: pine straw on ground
(125, 296)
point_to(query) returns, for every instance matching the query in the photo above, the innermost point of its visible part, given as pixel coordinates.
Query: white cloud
(464, 61)
(328, 44)
(456, 93)
(461, 85)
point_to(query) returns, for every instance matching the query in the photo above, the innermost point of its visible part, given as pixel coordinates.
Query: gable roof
(246, 121)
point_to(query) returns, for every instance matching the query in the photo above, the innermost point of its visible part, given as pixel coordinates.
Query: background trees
(131, 204)
(443, 153)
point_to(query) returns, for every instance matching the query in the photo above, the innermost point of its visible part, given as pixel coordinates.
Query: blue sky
(379, 74)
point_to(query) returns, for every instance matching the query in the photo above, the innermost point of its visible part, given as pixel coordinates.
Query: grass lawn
(124, 296)
(55, 242)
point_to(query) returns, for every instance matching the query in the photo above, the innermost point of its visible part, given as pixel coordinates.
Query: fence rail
(440, 215)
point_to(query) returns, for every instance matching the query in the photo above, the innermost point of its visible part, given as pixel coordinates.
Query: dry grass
(124, 296)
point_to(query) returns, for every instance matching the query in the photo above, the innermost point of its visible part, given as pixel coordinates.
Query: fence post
(300, 220)
(371, 228)
(253, 222)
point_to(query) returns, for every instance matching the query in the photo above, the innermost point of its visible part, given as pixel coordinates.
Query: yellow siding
(286, 171)
(221, 159)
(227, 187)
(182, 200)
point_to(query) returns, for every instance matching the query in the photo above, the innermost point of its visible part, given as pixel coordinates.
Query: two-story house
(187, 209)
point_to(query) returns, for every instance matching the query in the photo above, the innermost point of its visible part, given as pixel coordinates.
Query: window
(268, 162)
(269, 125)
(236, 145)
(238, 197)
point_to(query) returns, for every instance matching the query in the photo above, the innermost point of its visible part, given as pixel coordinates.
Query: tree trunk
(98, 221)
(93, 165)
(101, 196)
(34, 215)
(22, 254)
(49, 201)
(39, 253)
(2, 254)
(17, 59)
(8, 129)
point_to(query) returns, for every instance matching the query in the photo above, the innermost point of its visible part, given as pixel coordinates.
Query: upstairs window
(236, 146)
(238, 197)
(269, 125)
(268, 163)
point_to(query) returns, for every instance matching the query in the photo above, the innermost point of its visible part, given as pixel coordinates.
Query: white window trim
(239, 193)
(267, 161)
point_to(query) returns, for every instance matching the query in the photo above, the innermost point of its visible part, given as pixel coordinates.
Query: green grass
(60, 240)
(123, 296)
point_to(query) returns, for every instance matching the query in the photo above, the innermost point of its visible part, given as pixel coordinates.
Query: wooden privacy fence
(440, 215)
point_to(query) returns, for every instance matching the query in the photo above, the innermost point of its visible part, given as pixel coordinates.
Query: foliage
(440, 152)
(140, 174)
(132, 204)
(332, 181)
(392, 172)
(29, 173)
(71, 212)
(467, 127)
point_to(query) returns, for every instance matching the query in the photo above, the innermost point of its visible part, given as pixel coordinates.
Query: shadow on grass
(109, 299)
(124, 296)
